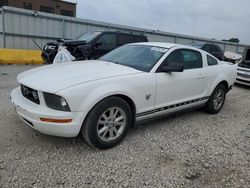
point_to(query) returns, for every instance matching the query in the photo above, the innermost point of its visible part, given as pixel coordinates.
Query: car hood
(53, 78)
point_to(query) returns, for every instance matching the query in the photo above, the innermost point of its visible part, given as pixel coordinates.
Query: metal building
(19, 26)
(49, 6)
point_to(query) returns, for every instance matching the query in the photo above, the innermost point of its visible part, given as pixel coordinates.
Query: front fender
(105, 91)
(82, 98)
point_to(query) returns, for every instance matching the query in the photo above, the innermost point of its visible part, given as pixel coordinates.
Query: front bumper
(243, 76)
(45, 58)
(31, 113)
(48, 57)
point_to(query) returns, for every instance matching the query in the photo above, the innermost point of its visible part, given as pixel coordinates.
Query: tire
(216, 100)
(107, 123)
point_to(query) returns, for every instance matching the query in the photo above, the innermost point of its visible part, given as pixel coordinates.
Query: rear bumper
(45, 58)
(31, 113)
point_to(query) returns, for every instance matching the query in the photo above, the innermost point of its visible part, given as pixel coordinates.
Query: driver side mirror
(173, 67)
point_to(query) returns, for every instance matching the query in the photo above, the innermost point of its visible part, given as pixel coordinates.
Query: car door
(177, 87)
(106, 43)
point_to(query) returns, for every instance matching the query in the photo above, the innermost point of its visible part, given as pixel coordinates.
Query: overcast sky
(219, 19)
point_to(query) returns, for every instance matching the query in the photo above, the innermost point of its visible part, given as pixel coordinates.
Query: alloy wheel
(111, 124)
(218, 99)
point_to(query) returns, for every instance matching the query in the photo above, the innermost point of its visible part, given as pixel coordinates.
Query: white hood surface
(52, 78)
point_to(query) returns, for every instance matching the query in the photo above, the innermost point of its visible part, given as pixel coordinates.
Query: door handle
(201, 76)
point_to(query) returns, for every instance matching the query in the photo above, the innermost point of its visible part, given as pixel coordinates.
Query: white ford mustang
(101, 99)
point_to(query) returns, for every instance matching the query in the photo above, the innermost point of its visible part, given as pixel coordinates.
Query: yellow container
(18, 56)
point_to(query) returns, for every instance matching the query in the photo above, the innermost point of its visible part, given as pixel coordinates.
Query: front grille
(245, 81)
(30, 94)
(243, 70)
(245, 65)
(49, 48)
(243, 75)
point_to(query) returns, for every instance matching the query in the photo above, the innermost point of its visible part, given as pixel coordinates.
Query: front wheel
(216, 100)
(107, 123)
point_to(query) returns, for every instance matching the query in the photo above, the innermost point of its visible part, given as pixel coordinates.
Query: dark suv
(246, 59)
(91, 45)
(213, 49)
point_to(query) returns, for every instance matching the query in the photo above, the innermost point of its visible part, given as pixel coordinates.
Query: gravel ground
(187, 150)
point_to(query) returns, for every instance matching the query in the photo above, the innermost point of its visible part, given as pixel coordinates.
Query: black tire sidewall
(209, 107)
(93, 117)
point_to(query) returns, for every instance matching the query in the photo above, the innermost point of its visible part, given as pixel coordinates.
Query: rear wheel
(107, 123)
(216, 100)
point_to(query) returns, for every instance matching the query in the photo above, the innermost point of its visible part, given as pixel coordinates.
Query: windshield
(136, 56)
(87, 37)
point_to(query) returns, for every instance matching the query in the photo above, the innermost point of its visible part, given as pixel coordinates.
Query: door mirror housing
(173, 67)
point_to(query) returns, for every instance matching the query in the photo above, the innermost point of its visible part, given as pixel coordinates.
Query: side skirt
(169, 114)
(172, 109)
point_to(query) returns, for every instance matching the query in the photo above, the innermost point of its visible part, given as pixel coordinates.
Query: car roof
(127, 33)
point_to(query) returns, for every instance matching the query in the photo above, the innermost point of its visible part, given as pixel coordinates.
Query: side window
(189, 58)
(108, 41)
(124, 39)
(47, 9)
(211, 60)
(27, 6)
(66, 13)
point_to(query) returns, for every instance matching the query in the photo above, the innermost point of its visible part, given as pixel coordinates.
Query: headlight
(49, 47)
(56, 102)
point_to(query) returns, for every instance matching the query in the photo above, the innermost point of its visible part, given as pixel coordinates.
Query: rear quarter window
(211, 61)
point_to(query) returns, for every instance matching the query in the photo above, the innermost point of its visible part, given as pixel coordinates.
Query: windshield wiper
(116, 62)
